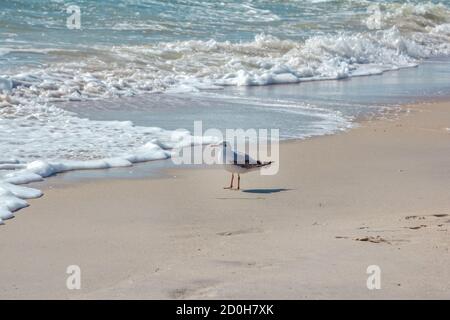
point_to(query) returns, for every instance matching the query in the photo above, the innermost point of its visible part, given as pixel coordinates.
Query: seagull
(236, 162)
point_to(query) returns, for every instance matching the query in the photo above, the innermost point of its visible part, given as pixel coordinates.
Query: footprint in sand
(179, 293)
(417, 227)
(414, 218)
(237, 264)
(443, 215)
(195, 290)
(376, 239)
(440, 215)
(238, 232)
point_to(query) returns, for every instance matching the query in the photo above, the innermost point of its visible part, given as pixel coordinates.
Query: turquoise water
(29, 29)
(140, 21)
(311, 108)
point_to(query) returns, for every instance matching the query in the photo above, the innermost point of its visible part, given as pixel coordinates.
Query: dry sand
(291, 236)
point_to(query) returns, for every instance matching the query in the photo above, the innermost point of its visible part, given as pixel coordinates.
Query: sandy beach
(375, 195)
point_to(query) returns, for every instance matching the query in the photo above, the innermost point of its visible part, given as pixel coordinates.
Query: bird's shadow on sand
(265, 191)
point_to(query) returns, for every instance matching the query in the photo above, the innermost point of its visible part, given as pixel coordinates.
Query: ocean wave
(413, 17)
(398, 36)
(197, 64)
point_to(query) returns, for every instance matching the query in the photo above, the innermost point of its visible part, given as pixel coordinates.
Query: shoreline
(152, 168)
(158, 168)
(375, 194)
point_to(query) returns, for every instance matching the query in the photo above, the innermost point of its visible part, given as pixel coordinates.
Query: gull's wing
(241, 159)
(231, 157)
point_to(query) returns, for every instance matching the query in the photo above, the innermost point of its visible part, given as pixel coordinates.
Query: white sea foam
(186, 66)
(43, 140)
(12, 196)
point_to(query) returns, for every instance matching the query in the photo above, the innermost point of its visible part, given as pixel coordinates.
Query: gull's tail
(264, 164)
(253, 165)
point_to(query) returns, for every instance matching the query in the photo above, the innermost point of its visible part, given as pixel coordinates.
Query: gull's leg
(231, 184)
(239, 181)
